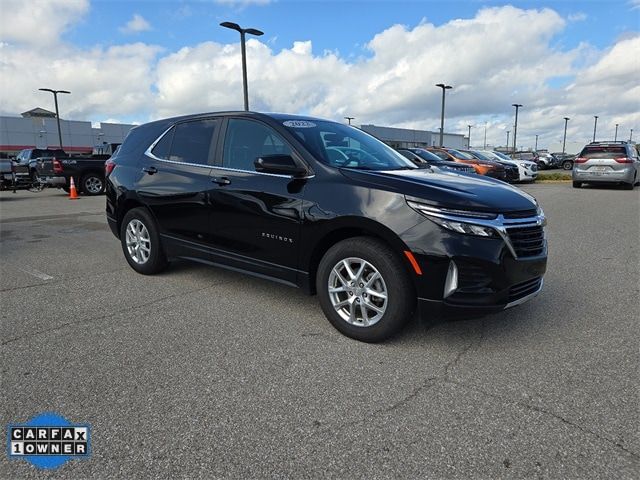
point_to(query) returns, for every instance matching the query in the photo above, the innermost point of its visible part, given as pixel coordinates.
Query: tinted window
(604, 152)
(440, 154)
(481, 156)
(428, 156)
(247, 140)
(340, 145)
(163, 147)
(462, 155)
(193, 142)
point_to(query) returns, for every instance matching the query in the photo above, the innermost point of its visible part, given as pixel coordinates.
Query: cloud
(634, 4)
(500, 56)
(242, 3)
(577, 17)
(39, 22)
(137, 24)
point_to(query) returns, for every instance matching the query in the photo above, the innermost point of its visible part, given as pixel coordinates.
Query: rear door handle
(150, 170)
(221, 180)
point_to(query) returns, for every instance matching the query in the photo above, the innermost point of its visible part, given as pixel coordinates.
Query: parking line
(35, 273)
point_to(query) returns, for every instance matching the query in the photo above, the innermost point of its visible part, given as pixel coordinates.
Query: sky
(377, 61)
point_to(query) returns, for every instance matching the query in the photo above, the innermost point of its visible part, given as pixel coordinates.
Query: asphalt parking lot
(204, 373)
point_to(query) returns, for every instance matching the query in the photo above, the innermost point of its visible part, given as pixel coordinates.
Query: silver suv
(607, 162)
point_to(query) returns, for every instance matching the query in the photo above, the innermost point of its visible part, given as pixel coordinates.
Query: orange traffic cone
(73, 194)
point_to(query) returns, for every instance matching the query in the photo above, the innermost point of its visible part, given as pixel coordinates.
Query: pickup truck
(7, 174)
(56, 168)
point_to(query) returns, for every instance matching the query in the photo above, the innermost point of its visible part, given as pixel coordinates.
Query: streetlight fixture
(615, 137)
(536, 147)
(595, 124)
(564, 139)
(243, 31)
(55, 100)
(444, 88)
(469, 137)
(515, 126)
(349, 119)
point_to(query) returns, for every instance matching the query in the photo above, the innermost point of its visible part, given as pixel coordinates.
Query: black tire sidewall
(400, 290)
(157, 260)
(87, 177)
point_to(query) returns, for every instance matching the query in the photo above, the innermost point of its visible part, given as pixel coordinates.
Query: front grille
(527, 241)
(520, 214)
(523, 289)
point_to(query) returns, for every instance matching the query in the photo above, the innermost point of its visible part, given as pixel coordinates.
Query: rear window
(604, 152)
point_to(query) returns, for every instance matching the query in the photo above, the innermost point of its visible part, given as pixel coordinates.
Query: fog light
(451, 283)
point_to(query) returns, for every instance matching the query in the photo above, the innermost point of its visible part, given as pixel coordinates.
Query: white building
(407, 138)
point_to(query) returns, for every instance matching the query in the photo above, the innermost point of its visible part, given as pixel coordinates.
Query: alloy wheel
(93, 185)
(357, 292)
(138, 241)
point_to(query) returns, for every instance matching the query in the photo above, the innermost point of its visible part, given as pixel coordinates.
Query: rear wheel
(364, 290)
(92, 184)
(577, 184)
(141, 242)
(567, 165)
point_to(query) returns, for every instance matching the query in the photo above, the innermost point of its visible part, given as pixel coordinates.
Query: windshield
(427, 156)
(462, 155)
(340, 145)
(482, 156)
(501, 155)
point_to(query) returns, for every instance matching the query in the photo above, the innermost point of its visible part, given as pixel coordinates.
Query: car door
(255, 216)
(175, 184)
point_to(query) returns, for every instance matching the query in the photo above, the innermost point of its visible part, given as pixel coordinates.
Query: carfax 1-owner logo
(48, 440)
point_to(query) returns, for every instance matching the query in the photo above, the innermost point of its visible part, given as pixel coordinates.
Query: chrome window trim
(500, 224)
(149, 153)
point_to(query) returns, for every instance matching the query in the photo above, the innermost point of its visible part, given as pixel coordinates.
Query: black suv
(328, 208)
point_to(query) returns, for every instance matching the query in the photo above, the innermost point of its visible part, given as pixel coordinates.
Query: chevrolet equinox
(328, 208)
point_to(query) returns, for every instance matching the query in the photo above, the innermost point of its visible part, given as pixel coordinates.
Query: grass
(554, 177)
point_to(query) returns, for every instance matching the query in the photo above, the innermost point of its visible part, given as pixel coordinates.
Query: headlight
(454, 220)
(522, 164)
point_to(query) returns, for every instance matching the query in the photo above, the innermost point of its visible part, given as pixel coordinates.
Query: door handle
(222, 181)
(150, 170)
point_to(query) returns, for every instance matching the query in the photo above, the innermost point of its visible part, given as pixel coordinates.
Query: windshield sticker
(299, 124)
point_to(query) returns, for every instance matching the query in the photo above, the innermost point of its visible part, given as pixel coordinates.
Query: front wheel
(577, 184)
(92, 184)
(567, 165)
(141, 242)
(364, 290)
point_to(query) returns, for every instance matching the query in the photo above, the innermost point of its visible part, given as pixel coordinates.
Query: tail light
(623, 160)
(580, 160)
(109, 165)
(57, 166)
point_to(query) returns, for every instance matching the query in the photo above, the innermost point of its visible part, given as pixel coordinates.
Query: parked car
(565, 160)
(543, 163)
(607, 162)
(527, 171)
(490, 169)
(511, 172)
(56, 169)
(549, 160)
(420, 157)
(26, 163)
(328, 208)
(7, 174)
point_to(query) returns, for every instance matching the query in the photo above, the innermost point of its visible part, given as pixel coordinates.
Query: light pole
(349, 119)
(508, 132)
(469, 137)
(485, 135)
(515, 126)
(564, 139)
(243, 31)
(631, 134)
(536, 147)
(444, 88)
(595, 124)
(55, 100)
(615, 137)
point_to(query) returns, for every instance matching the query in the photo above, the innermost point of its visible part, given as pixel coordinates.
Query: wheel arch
(344, 229)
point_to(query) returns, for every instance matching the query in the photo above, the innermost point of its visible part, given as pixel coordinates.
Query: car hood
(448, 189)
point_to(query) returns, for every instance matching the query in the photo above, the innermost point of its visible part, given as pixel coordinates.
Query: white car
(528, 170)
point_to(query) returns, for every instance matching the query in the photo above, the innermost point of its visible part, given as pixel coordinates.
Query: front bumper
(490, 276)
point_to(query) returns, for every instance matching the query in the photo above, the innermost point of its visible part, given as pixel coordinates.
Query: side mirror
(279, 164)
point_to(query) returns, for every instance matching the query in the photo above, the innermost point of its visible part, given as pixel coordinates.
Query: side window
(247, 140)
(163, 147)
(188, 142)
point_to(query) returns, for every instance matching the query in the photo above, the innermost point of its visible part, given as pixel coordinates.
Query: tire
(142, 261)
(577, 184)
(92, 184)
(393, 280)
(628, 186)
(567, 165)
